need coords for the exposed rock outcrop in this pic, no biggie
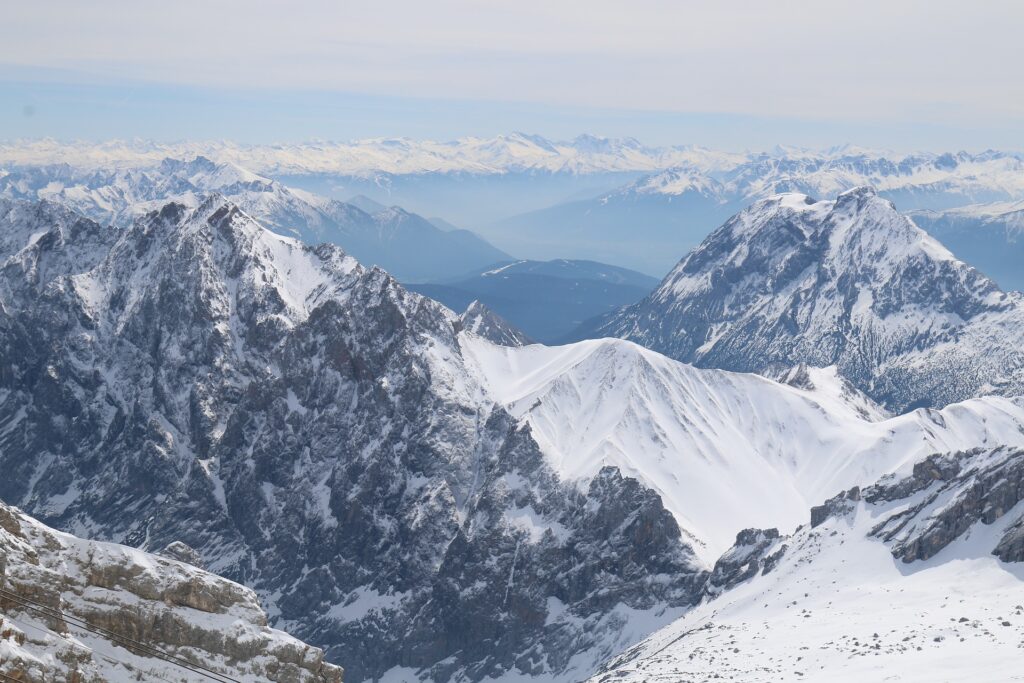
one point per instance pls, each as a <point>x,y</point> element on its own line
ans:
<point>80,611</point>
<point>956,492</point>
<point>756,551</point>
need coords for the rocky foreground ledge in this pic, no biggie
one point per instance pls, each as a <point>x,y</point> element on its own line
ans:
<point>78,611</point>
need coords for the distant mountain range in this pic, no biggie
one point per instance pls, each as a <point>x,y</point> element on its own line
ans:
<point>989,236</point>
<point>407,245</point>
<point>501,154</point>
<point>610,200</point>
<point>643,223</point>
<point>547,300</point>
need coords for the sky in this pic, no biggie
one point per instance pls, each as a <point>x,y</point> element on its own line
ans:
<point>901,74</point>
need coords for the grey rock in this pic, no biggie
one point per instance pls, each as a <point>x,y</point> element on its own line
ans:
<point>836,506</point>
<point>957,491</point>
<point>484,322</point>
<point>141,603</point>
<point>755,551</point>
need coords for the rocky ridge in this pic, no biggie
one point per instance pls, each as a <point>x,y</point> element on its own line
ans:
<point>935,551</point>
<point>81,611</point>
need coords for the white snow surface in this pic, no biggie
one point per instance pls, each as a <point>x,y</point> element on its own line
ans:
<point>495,155</point>
<point>726,451</point>
<point>839,608</point>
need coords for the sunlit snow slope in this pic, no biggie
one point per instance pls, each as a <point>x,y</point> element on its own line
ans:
<point>725,450</point>
<point>838,607</point>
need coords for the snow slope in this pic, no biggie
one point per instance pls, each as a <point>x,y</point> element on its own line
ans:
<point>724,450</point>
<point>832,603</point>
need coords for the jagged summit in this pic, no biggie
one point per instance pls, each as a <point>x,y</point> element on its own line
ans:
<point>483,322</point>
<point>848,282</point>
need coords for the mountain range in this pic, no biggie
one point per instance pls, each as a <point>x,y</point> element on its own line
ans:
<point>407,245</point>
<point>616,201</point>
<point>427,496</point>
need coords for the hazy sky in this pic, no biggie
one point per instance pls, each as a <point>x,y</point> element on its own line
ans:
<point>731,73</point>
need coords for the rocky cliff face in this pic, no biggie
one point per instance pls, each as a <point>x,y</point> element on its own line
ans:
<point>948,495</point>
<point>81,611</point>
<point>849,283</point>
<point>199,386</point>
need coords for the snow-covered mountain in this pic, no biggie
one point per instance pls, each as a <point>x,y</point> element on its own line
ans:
<point>77,610</point>
<point>311,429</point>
<point>848,282</point>
<point>426,504</point>
<point>725,451</point>
<point>912,579</point>
<point>407,245</point>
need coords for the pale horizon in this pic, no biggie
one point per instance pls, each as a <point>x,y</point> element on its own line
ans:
<point>737,75</point>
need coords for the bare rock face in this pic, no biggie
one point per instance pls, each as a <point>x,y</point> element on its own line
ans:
<point>835,506</point>
<point>1011,546</point>
<point>957,491</point>
<point>755,551</point>
<point>74,610</point>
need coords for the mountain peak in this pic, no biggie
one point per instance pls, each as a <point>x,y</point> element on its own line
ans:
<point>198,163</point>
<point>848,282</point>
<point>483,322</point>
<point>859,192</point>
